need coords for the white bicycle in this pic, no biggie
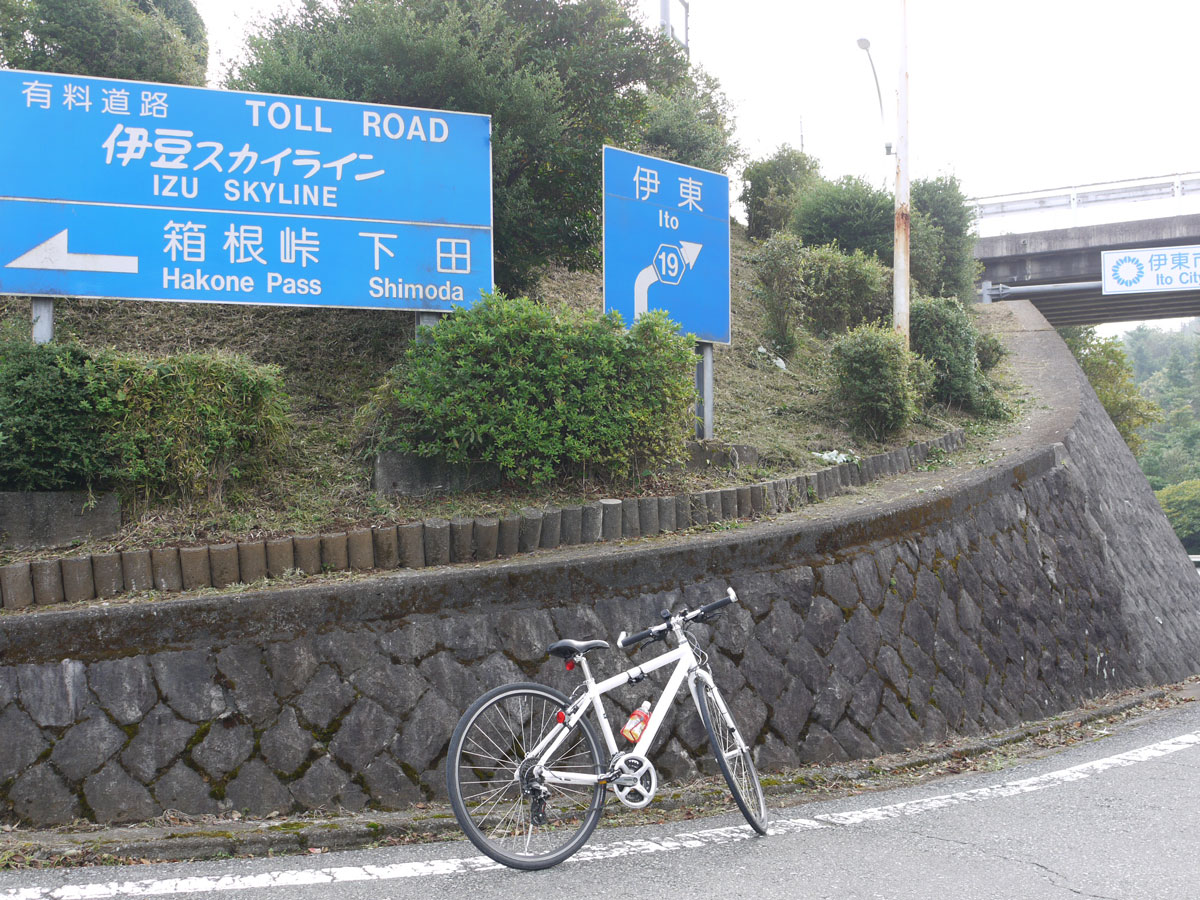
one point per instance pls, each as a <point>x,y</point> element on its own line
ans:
<point>528,777</point>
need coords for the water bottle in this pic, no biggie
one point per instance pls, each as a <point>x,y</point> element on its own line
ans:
<point>637,723</point>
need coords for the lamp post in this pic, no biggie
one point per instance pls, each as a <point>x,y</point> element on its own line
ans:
<point>903,217</point>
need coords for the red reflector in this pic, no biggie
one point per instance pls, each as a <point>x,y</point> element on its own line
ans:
<point>570,665</point>
<point>561,717</point>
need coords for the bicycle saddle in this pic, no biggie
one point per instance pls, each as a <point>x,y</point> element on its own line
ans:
<point>567,649</point>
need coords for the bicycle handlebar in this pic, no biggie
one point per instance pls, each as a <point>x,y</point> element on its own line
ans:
<point>658,632</point>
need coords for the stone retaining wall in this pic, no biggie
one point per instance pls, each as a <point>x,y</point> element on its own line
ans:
<point>436,542</point>
<point>1011,592</point>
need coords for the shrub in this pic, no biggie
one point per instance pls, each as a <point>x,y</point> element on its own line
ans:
<point>942,332</point>
<point>848,212</point>
<point>989,350</point>
<point>871,368</point>
<point>539,394</point>
<point>51,429</point>
<point>779,287</point>
<point>843,289</point>
<point>183,425</point>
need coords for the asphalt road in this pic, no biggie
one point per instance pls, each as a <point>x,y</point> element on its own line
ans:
<point>1112,818</point>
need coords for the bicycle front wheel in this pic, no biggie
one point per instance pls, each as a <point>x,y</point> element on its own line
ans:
<point>508,812</point>
<point>733,755</point>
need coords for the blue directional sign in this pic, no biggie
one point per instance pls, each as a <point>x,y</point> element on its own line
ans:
<point>160,192</point>
<point>666,242</point>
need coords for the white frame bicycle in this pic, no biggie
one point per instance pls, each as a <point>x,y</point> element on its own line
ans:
<point>527,777</point>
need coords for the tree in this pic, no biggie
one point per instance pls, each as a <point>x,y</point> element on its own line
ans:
<point>943,203</point>
<point>559,79</point>
<point>858,216</point>
<point>770,189</point>
<point>693,124</point>
<point>1181,503</point>
<point>146,40</point>
<point>1109,372</point>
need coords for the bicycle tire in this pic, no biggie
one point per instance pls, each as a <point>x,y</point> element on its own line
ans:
<point>736,764</point>
<point>483,778</point>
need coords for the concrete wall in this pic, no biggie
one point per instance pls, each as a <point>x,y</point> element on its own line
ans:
<point>991,596</point>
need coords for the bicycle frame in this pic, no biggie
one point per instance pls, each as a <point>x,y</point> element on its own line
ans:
<point>686,666</point>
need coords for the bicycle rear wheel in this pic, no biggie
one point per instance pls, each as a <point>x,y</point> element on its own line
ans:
<point>505,809</point>
<point>733,755</point>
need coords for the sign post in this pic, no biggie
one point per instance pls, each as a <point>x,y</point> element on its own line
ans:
<point>161,192</point>
<point>666,246</point>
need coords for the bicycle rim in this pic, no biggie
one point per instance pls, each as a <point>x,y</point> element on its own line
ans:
<point>736,764</point>
<point>494,804</point>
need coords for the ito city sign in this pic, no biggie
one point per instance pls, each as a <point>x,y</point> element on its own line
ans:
<point>1151,270</point>
<point>160,192</point>
<point>666,242</point>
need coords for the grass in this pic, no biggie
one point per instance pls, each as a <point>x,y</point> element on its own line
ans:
<point>333,358</point>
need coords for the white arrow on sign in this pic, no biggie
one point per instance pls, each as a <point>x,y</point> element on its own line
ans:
<point>53,254</point>
<point>690,252</point>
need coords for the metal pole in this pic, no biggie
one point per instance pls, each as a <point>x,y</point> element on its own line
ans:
<point>427,317</point>
<point>704,387</point>
<point>900,281</point>
<point>43,319</point>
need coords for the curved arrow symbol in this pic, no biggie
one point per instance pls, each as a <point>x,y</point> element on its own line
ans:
<point>53,254</point>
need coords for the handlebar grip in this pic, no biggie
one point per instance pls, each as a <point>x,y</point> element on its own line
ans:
<point>711,608</point>
<point>628,640</point>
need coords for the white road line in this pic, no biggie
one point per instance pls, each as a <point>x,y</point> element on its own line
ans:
<point>682,841</point>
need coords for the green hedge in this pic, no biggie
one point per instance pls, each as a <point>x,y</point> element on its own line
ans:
<point>539,394</point>
<point>175,426</point>
<point>185,425</point>
<point>52,430</point>
<point>874,382</point>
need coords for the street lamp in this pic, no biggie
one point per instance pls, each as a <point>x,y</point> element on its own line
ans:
<point>866,45</point>
<point>903,223</point>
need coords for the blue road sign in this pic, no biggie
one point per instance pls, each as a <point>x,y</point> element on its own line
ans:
<point>666,242</point>
<point>160,192</point>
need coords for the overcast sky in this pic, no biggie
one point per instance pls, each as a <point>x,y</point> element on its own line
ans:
<point>1009,96</point>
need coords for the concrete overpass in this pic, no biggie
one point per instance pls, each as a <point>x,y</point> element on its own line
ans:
<point>1059,270</point>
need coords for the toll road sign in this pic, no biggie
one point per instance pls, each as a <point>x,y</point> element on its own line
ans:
<point>666,242</point>
<point>147,191</point>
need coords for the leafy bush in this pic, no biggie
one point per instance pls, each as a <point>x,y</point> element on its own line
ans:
<point>871,368</point>
<point>989,350</point>
<point>1181,503</point>
<point>779,287</point>
<point>843,289</point>
<point>539,394</point>
<point>847,212</point>
<point>770,189</point>
<point>942,332</point>
<point>183,425</point>
<point>51,429</point>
